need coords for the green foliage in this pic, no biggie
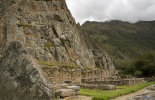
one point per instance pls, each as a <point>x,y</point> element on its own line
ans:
<point>110,94</point>
<point>138,73</point>
<point>142,66</point>
<point>58,64</point>
<point>49,44</point>
<point>123,41</point>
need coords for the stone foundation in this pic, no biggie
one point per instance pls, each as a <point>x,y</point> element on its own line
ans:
<point>91,79</point>
<point>78,76</point>
<point>98,86</point>
<point>60,75</point>
<point>118,82</point>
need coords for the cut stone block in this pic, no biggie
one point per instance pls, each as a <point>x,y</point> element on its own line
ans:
<point>64,92</point>
<point>75,88</point>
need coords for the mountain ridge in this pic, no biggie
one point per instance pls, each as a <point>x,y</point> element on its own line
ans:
<point>122,40</point>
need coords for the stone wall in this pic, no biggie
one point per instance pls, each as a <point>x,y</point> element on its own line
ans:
<point>110,84</point>
<point>117,82</point>
<point>96,75</point>
<point>59,75</point>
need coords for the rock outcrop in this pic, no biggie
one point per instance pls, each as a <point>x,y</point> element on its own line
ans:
<point>21,77</point>
<point>33,30</point>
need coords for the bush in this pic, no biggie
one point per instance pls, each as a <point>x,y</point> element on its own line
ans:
<point>144,65</point>
<point>138,73</point>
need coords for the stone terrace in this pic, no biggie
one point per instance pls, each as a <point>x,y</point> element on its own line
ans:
<point>78,76</point>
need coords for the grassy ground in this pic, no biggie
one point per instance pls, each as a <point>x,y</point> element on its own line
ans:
<point>109,94</point>
<point>58,64</point>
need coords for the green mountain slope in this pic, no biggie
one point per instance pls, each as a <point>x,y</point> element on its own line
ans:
<point>123,41</point>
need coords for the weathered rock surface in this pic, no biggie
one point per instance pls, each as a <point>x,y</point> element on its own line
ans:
<point>21,77</point>
<point>49,32</point>
<point>75,88</point>
<point>40,30</point>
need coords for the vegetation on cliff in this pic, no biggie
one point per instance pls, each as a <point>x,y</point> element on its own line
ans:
<point>123,41</point>
<point>53,64</point>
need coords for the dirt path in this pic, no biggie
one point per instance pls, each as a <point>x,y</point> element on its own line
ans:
<point>80,97</point>
<point>124,97</point>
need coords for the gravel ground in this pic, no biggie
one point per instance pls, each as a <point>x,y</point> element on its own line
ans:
<point>141,93</point>
<point>124,97</point>
<point>79,98</point>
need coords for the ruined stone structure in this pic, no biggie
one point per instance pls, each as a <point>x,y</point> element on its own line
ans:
<point>59,75</point>
<point>88,78</point>
<point>32,30</point>
<point>117,82</point>
<point>78,76</point>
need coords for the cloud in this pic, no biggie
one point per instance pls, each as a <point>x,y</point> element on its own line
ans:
<point>105,10</point>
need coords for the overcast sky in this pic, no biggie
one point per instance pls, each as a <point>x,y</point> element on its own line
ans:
<point>105,10</point>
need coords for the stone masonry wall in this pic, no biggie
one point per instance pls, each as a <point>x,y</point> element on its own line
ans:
<point>59,75</point>
<point>117,82</point>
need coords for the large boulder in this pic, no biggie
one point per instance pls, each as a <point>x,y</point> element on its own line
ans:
<point>21,77</point>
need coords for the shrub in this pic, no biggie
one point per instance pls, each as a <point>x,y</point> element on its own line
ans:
<point>138,73</point>
<point>144,65</point>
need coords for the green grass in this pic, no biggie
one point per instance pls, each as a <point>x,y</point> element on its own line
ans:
<point>53,64</point>
<point>49,44</point>
<point>109,94</point>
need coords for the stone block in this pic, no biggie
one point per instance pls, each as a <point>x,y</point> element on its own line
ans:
<point>111,87</point>
<point>64,93</point>
<point>75,88</point>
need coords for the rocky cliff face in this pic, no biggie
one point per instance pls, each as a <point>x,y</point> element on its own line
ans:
<point>33,30</point>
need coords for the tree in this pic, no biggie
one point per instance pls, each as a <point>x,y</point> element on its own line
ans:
<point>144,65</point>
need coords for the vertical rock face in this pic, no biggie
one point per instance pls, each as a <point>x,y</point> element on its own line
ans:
<point>40,30</point>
